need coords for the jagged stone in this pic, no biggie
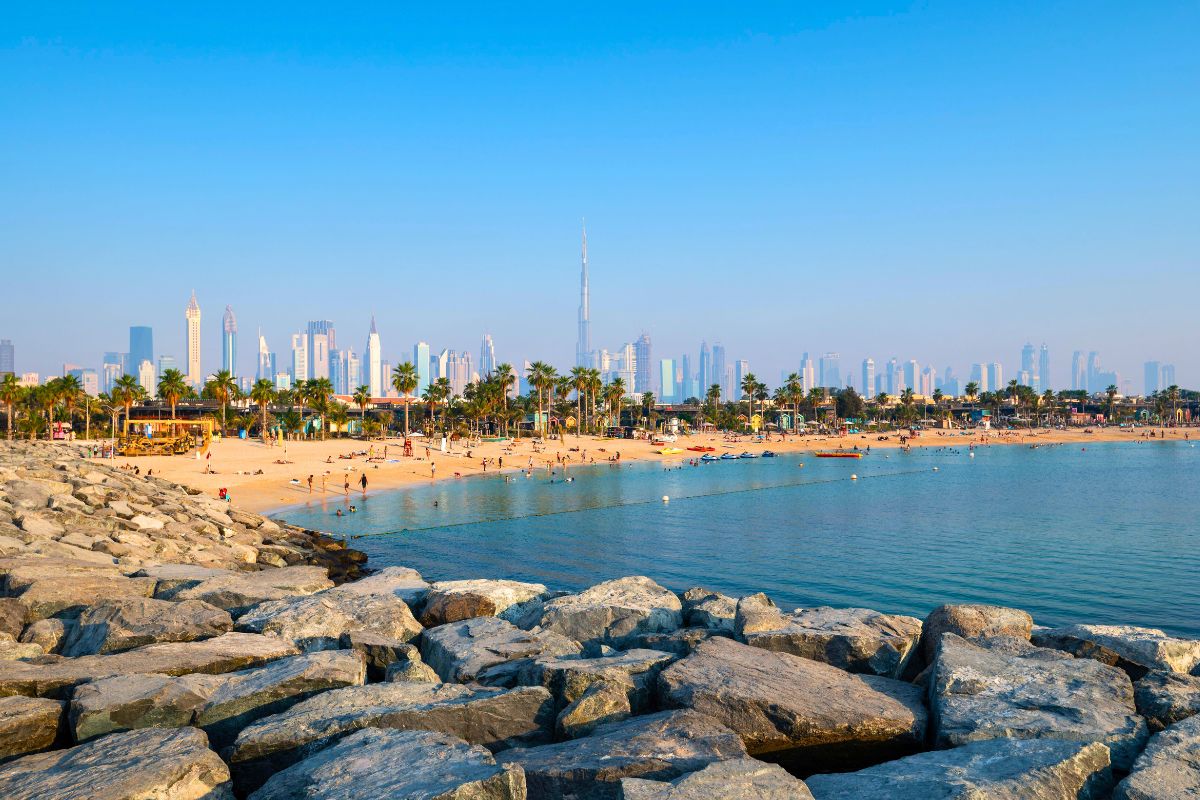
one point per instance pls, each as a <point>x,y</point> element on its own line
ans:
<point>411,671</point>
<point>735,779</point>
<point>1165,698</point>
<point>237,593</point>
<point>69,596</point>
<point>173,578</point>
<point>453,601</point>
<point>403,582</point>
<point>979,694</point>
<point>802,712</point>
<point>131,702</point>
<point>601,702</point>
<point>1169,767</point>
<point>972,621</point>
<point>679,643</point>
<point>153,764</point>
<point>12,616</point>
<point>1004,769</point>
<point>49,634</point>
<point>707,609</point>
<point>568,678</point>
<point>119,625</point>
<point>28,725</point>
<point>754,613</point>
<point>488,650</point>
<point>659,746</point>
<point>420,765</point>
<point>318,621</point>
<point>17,651</point>
<point>378,651</point>
<point>611,611</point>
<point>225,653</point>
<point>1135,650</point>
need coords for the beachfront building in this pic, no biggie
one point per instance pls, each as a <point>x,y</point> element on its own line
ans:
<point>192,342</point>
<point>229,342</point>
<point>147,376</point>
<point>8,357</point>
<point>375,377</point>
<point>141,346</point>
<point>424,365</point>
<point>299,357</point>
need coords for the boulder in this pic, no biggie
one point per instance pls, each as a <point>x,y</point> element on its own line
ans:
<point>735,779</point>
<point>131,702</point>
<point>416,671</point>
<point>706,609</point>
<point>679,643</point>
<point>15,651</point>
<point>239,591</point>
<point>49,634</point>
<point>601,702</point>
<point>611,611</point>
<point>488,650</point>
<point>379,652</point>
<point>659,746</point>
<point>754,613</point>
<point>28,725</point>
<point>173,578</point>
<point>420,764</point>
<point>972,621</point>
<point>403,582</point>
<point>853,639</point>
<point>12,617</point>
<point>1165,698</point>
<point>225,653</point>
<point>801,712</point>
<point>152,764</point>
<point>1135,650</point>
<point>1000,768</point>
<point>1169,768</point>
<point>493,718</point>
<point>452,601</point>
<point>119,625</point>
<point>979,694</point>
<point>51,597</point>
<point>568,678</point>
<point>318,621</point>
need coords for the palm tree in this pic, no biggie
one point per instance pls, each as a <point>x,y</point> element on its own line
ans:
<point>404,381</point>
<point>11,392</point>
<point>1048,404</point>
<point>541,376</point>
<point>263,393</point>
<point>1173,395</point>
<point>908,399</point>
<point>614,394</point>
<point>580,378</point>
<point>319,391</point>
<point>748,387</point>
<point>793,390</point>
<point>300,395</point>
<point>172,386</point>
<point>222,388</point>
<point>506,376</point>
<point>362,399</point>
<point>972,391</point>
<point>68,390</point>
<point>647,407</point>
<point>1111,393</point>
<point>127,389</point>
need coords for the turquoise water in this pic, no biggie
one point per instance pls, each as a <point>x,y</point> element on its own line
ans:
<point>1109,534</point>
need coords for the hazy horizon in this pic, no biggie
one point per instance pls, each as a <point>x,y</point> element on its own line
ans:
<point>917,180</point>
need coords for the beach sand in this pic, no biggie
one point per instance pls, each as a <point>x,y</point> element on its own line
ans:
<point>247,469</point>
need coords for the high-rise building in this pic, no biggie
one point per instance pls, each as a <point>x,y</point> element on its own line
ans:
<point>808,374</point>
<point>830,368</point>
<point>375,379</point>
<point>165,363</point>
<point>1168,376</point>
<point>299,358</point>
<point>147,376</point>
<point>995,376</point>
<point>1152,371</point>
<point>720,372</point>
<point>705,378</point>
<point>583,346</point>
<point>1078,371</point>
<point>8,357</point>
<point>1028,369</point>
<point>644,375</point>
<point>928,381</point>
<point>441,364</point>
<point>741,368</point>
<point>687,388</point>
<point>421,361</point>
<point>1093,373</point>
<point>1043,373</point>
<point>979,377</point>
<point>666,370</point>
<point>283,381</point>
<point>868,377</point>
<point>195,376</point>
<point>354,371</point>
<point>337,371</point>
<point>88,379</point>
<point>266,361</point>
<point>487,356</point>
<point>386,369</point>
<point>912,376</point>
<point>950,384</point>
<point>318,353</point>
<point>141,347</point>
<point>229,342</point>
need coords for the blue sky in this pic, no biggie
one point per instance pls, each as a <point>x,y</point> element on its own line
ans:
<point>940,181</point>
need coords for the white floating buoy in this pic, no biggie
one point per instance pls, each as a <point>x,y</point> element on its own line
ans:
<point>971,454</point>
<point>935,469</point>
<point>853,477</point>
<point>666,499</point>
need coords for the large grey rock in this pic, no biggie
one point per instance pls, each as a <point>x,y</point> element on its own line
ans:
<point>173,578</point>
<point>152,764</point>
<point>853,639</point>
<point>659,746</point>
<point>379,652</point>
<point>1165,698</point>
<point>680,643</point>
<point>488,650</point>
<point>318,621</point>
<point>492,718</point>
<point>51,597</point>
<point>611,611</point>
<point>225,653</point>
<point>601,702</point>
<point>118,625</point>
<point>238,592</point>
<point>800,711</point>
<point>132,702</point>
<point>1000,769</point>
<point>707,609</point>
<point>49,634</point>
<point>13,651</point>
<point>12,617</point>
<point>979,694</point>
<point>735,779</point>
<point>753,613</point>
<point>414,671</point>
<point>21,572</point>
<point>452,601</point>
<point>1135,650</point>
<point>28,725</point>
<point>972,621</point>
<point>568,678</point>
<point>403,582</point>
<point>1169,768</point>
<point>421,765</point>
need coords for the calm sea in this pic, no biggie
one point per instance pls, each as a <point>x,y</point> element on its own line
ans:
<point>1107,534</point>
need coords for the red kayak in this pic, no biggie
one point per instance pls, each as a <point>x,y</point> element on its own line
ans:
<point>699,449</point>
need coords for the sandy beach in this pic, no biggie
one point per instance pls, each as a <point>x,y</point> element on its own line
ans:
<point>265,478</point>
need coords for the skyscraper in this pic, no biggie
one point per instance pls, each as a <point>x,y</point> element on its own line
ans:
<point>808,374</point>
<point>141,348</point>
<point>830,368</point>
<point>266,361</point>
<point>705,375</point>
<point>1167,379</point>
<point>667,380</point>
<point>375,379</point>
<point>995,376</point>
<point>192,342</point>
<point>1044,369</point>
<point>422,363</point>
<point>1028,369</point>
<point>1078,371</point>
<point>8,357</point>
<point>1153,377</point>
<point>644,375</point>
<point>741,368</point>
<point>687,390</point>
<point>148,377</point>
<point>229,342</point>
<point>719,372</point>
<point>894,378</point>
<point>912,376</point>
<point>583,347</point>
<point>487,356</point>
<point>1093,373</point>
<point>979,377</point>
<point>318,353</point>
<point>868,377</point>
<point>299,358</point>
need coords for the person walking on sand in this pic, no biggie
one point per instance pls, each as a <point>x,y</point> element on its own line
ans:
<point>432,470</point>
<point>310,477</point>
<point>347,486</point>
<point>363,482</point>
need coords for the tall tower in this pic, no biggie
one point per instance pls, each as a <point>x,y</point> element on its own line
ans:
<point>583,348</point>
<point>229,342</point>
<point>374,362</point>
<point>487,355</point>
<point>194,376</point>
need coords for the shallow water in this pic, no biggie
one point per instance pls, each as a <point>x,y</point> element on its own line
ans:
<point>1106,535</point>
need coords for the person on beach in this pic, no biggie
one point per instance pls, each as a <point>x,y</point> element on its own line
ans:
<point>310,477</point>
<point>363,482</point>
<point>432,470</point>
<point>346,486</point>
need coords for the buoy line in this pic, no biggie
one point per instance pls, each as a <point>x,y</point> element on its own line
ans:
<point>630,503</point>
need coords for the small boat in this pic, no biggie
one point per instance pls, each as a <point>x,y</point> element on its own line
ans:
<point>768,454</point>
<point>728,457</point>
<point>709,457</point>
<point>748,455</point>
<point>670,451</point>
<point>702,449</point>
<point>838,454</point>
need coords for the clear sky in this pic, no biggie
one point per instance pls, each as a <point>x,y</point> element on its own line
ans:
<point>940,181</point>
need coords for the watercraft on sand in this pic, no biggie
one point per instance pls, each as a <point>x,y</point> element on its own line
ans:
<point>702,449</point>
<point>837,454</point>
<point>728,457</point>
<point>748,455</point>
<point>670,451</point>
